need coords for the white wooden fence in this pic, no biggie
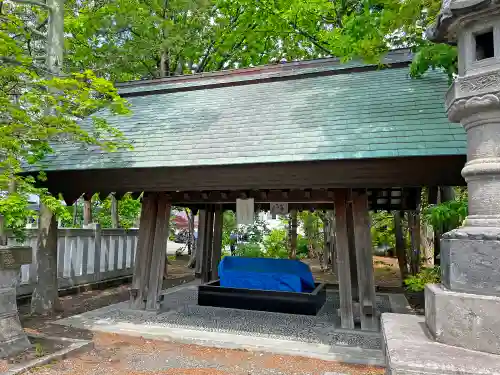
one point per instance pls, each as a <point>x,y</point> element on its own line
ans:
<point>84,256</point>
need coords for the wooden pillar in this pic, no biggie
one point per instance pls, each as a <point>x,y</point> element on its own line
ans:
<point>114,211</point>
<point>87,209</point>
<point>352,248</point>
<point>142,265</point>
<point>200,242</point>
<point>217,247</point>
<point>207,245</point>
<point>159,254</point>
<point>364,257</point>
<point>344,274</point>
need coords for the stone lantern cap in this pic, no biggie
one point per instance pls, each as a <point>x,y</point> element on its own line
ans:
<point>451,14</point>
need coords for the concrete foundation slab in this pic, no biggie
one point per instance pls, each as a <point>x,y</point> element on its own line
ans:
<point>470,321</point>
<point>182,320</point>
<point>410,350</point>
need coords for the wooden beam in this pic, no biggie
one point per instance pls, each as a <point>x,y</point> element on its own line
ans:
<point>159,254</point>
<point>144,251</point>
<point>300,199</point>
<point>343,264</point>
<point>364,257</point>
<point>217,247</point>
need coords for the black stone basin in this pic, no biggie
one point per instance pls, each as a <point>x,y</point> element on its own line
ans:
<point>212,294</point>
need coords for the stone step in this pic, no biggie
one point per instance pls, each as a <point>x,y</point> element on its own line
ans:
<point>410,350</point>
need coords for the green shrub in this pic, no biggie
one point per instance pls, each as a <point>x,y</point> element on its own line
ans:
<point>448,215</point>
<point>249,250</point>
<point>429,275</point>
<point>302,249</point>
<point>276,244</point>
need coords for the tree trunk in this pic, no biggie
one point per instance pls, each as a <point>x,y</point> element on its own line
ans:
<point>75,213</point>
<point>190,239</point>
<point>87,211</point>
<point>44,299</point>
<point>400,245</point>
<point>426,235</point>
<point>192,259</point>
<point>45,294</point>
<point>414,228</point>
<point>164,66</point>
<point>114,212</point>
<point>194,244</point>
<point>326,243</point>
<point>333,242</point>
<point>293,235</point>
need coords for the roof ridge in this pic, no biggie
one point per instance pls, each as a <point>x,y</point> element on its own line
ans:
<point>291,70</point>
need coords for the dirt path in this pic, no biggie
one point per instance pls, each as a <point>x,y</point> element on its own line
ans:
<point>386,272</point>
<point>123,355</point>
<point>74,304</point>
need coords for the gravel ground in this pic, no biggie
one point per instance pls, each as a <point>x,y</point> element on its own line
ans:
<point>180,310</point>
<point>123,355</point>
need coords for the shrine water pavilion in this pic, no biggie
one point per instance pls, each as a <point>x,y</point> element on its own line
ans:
<point>318,134</point>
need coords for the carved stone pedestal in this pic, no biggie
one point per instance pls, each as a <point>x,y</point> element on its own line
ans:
<point>13,339</point>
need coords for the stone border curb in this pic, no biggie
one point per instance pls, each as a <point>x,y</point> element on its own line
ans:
<point>346,354</point>
<point>75,347</point>
<point>399,304</point>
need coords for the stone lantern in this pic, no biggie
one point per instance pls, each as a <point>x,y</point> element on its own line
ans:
<point>13,339</point>
<point>461,330</point>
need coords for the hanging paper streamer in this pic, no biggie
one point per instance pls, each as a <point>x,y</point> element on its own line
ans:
<point>245,211</point>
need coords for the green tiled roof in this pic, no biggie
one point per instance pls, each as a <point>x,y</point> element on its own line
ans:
<point>367,114</point>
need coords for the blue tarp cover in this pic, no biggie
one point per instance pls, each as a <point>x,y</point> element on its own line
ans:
<point>265,274</point>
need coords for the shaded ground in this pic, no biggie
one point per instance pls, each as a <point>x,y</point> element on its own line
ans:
<point>89,300</point>
<point>123,355</point>
<point>386,272</point>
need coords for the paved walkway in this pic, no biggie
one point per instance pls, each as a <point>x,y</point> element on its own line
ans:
<point>124,355</point>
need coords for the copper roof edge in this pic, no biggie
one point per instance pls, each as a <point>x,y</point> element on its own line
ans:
<point>259,74</point>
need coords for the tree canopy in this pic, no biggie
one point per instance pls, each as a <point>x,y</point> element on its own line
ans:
<point>119,40</point>
<point>39,110</point>
<point>126,40</point>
